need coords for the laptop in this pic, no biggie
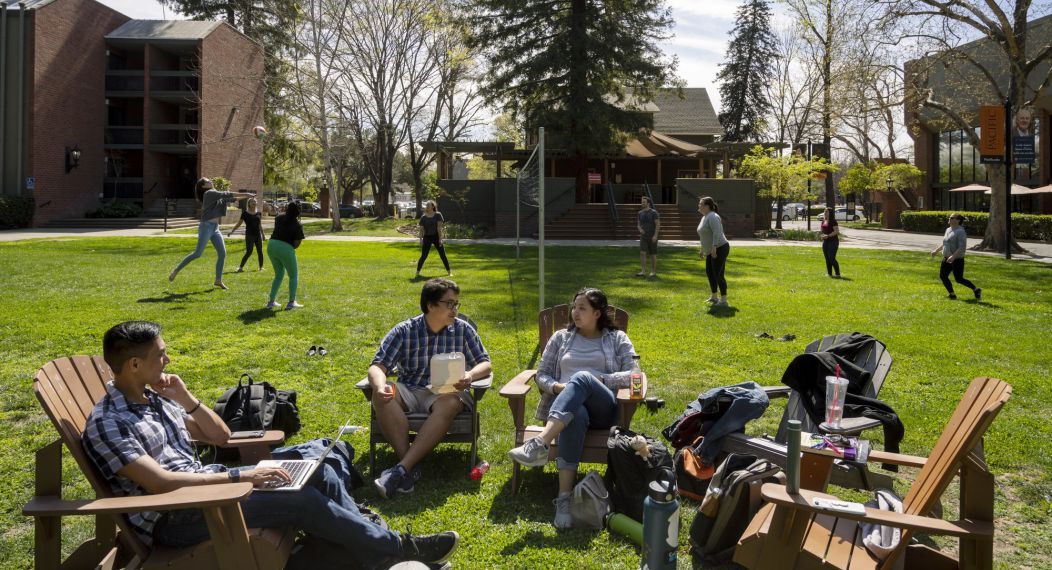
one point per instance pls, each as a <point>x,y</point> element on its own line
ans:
<point>300,470</point>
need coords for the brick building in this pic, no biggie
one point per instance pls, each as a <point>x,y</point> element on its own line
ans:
<point>97,107</point>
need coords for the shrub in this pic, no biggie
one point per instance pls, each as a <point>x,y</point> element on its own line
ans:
<point>1024,226</point>
<point>450,231</point>
<point>117,210</point>
<point>15,212</point>
<point>792,235</point>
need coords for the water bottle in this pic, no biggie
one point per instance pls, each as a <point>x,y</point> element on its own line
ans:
<point>792,458</point>
<point>625,526</point>
<point>660,526</point>
<point>479,470</point>
<point>637,379</point>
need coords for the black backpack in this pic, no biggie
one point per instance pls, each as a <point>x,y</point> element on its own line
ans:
<point>731,500</point>
<point>628,475</point>
<point>258,405</point>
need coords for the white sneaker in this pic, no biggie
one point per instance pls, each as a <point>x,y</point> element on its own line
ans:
<point>562,511</point>
<point>722,302</point>
<point>272,305</point>
<point>712,299</point>
<point>293,305</point>
<point>533,453</point>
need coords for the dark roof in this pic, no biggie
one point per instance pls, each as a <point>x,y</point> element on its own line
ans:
<point>692,115</point>
<point>177,30</point>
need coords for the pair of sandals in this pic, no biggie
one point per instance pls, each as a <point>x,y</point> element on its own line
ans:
<point>319,350</point>
<point>784,338</point>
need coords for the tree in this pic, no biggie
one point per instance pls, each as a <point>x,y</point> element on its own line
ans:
<point>864,178</point>
<point>1006,66</point>
<point>792,92</point>
<point>581,68</point>
<point>748,70</point>
<point>782,177</point>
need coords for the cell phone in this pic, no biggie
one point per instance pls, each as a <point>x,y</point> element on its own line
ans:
<point>840,506</point>
<point>248,434</point>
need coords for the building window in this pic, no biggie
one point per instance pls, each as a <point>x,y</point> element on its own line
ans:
<point>958,161</point>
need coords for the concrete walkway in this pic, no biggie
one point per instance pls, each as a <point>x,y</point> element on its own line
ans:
<point>857,239</point>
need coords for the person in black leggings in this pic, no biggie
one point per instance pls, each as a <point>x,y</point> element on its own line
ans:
<point>714,249</point>
<point>432,223</point>
<point>831,242</point>
<point>253,221</point>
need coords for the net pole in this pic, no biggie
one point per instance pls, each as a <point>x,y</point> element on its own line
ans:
<point>518,181</point>
<point>540,216</point>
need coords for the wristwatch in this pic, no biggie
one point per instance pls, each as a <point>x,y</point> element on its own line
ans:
<point>235,475</point>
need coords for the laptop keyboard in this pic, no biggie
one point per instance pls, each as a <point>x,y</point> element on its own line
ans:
<point>296,469</point>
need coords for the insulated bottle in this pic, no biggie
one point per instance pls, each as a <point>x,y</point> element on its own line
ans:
<point>660,526</point>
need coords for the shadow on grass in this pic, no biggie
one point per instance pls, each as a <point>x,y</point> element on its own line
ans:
<point>723,311</point>
<point>982,303</point>
<point>564,540</point>
<point>173,297</point>
<point>842,278</point>
<point>255,315</point>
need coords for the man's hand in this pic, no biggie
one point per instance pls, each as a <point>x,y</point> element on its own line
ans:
<point>386,393</point>
<point>172,387</point>
<point>654,239</point>
<point>558,387</point>
<point>949,259</point>
<point>465,382</point>
<point>266,476</point>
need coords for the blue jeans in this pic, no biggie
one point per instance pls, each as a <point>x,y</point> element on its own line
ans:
<point>584,403</point>
<point>207,231</point>
<point>323,509</point>
<point>748,403</point>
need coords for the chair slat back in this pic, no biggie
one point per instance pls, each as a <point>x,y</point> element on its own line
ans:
<point>876,360</point>
<point>977,409</point>
<point>68,389</point>
<point>558,317</point>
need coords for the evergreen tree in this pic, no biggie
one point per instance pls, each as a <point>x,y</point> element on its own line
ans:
<point>579,68</point>
<point>747,70</point>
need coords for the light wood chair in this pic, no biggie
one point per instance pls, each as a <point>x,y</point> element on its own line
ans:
<point>68,389</point>
<point>877,361</point>
<point>791,533</point>
<point>464,429</point>
<point>548,321</point>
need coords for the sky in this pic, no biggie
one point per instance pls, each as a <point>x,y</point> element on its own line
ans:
<point>699,42</point>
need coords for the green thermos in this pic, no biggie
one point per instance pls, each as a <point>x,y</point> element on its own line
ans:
<point>625,526</point>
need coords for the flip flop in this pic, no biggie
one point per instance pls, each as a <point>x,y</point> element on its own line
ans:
<point>312,350</point>
<point>322,351</point>
<point>763,335</point>
<point>786,337</point>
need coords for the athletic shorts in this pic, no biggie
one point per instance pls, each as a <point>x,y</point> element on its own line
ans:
<point>421,399</point>
<point>647,244</point>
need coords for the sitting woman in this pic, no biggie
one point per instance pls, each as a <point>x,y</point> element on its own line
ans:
<point>579,374</point>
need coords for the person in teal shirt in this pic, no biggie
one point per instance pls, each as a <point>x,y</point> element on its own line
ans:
<point>281,249</point>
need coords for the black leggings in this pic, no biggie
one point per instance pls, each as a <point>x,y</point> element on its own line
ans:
<point>957,267</point>
<point>829,247</point>
<point>425,248</point>
<point>253,241</point>
<point>714,267</point>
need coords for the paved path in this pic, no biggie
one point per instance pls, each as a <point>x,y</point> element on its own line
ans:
<point>859,239</point>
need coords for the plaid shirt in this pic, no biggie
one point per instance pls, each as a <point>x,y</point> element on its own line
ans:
<point>118,432</point>
<point>410,345</point>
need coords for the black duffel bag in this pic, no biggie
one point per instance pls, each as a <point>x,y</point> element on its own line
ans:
<point>258,406</point>
<point>628,475</point>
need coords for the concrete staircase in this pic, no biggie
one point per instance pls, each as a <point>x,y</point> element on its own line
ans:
<point>180,209</point>
<point>592,221</point>
<point>124,223</point>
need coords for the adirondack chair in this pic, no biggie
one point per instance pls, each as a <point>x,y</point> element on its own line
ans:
<point>68,389</point>
<point>790,532</point>
<point>550,320</point>
<point>852,475</point>
<point>464,429</point>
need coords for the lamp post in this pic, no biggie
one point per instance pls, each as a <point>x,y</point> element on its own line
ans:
<point>809,187</point>
<point>889,192</point>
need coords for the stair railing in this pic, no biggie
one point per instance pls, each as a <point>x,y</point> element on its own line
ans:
<point>612,203</point>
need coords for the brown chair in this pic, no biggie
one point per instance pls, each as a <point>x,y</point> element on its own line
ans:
<point>464,429</point>
<point>550,320</point>
<point>791,533</point>
<point>68,389</point>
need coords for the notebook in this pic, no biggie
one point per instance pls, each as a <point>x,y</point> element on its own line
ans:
<point>300,470</point>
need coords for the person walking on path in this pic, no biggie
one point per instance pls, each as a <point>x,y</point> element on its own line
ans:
<point>830,242</point>
<point>954,242</point>
<point>580,372</point>
<point>287,235</point>
<point>649,226</point>
<point>714,249</point>
<point>213,208</point>
<point>433,224</point>
<point>253,221</point>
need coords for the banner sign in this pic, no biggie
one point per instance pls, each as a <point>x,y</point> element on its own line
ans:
<point>991,134</point>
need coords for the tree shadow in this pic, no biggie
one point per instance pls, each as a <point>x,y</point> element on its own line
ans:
<point>173,297</point>
<point>255,315</point>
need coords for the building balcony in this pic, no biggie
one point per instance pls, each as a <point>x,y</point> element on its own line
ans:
<point>174,138</point>
<point>124,137</point>
<point>125,84</point>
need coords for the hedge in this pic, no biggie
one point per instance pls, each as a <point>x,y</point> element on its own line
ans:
<point>15,212</point>
<point>1024,226</point>
<point>117,210</point>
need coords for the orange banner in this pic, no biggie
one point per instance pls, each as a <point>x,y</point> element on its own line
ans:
<point>992,131</point>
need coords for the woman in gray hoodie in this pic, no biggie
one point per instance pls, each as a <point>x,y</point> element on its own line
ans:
<point>213,208</point>
<point>954,243</point>
<point>714,249</point>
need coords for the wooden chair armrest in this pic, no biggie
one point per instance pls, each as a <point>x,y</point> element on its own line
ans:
<point>777,494</point>
<point>184,498</point>
<point>272,437</point>
<point>850,426</point>
<point>624,395</point>
<point>897,459</point>
<point>366,388</point>
<point>777,391</point>
<point>518,386</point>
<point>479,387</point>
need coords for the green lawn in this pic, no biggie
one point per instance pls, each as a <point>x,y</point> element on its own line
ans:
<point>62,295</point>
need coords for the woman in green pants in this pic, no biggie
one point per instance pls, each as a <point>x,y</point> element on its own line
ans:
<point>281,249</point>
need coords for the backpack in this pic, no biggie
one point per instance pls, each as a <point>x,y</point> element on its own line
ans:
<point>590,503</point>
<point>628,475</point>
<point>689,483</point>
<point>255,406</point>
<point>731,500</point>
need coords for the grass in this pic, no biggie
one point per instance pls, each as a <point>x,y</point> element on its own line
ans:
<point>62,295</point>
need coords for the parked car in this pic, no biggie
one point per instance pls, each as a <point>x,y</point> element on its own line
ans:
<point>309,208</point>
<point>789,212</point>
<point>350,211</point>
<point>842,215</point>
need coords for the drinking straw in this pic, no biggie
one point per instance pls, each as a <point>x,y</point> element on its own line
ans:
<point>836,391</point>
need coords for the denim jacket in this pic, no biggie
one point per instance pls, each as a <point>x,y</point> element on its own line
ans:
<point>617,349</point>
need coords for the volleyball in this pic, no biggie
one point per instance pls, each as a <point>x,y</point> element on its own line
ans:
<point>259,131</point>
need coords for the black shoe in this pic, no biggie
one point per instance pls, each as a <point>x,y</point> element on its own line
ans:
<point>763,335</point>
<point>952,297</point>
<point>431,549</point>
<point>312,350</point>
<point>978,294</point>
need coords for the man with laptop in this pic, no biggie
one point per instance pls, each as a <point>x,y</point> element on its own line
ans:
<point>410,347</point>
<point>138,436</point>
